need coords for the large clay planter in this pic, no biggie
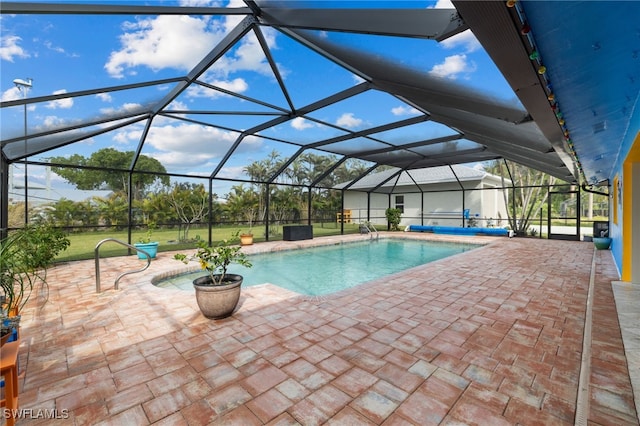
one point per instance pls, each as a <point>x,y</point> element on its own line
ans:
<point>218,301</point>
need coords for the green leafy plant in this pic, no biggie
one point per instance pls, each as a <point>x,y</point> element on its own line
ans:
<point>393,217</point>
<point>216,260</point>
<point>147,238</point>
<point>16,278</point>
<point>25,255</point>
<point>41,244</point>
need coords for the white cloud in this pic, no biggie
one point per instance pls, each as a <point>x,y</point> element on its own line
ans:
<point>128,107</point>
<point>452,67</point>
<point>49,45</point>
<point>236,172</point>
<point>248,56</point>
<point>52,122</point>
<point>127,137</point>
<point>358,79</point>
<point>11,94</point>
<point>182,159</point>
<point>404,110</point>
<point>300,123</point>
<point>161,42</point>
<point>104,97</point>
<point>64,103</point>
<point>9,48</point>
<point>466,39</point>
<point>444,4</point>
<point>199,3</point>
<point>237,85</point>
<point>176,105</point>
<point>188,144</point>
<point>180,42</point>
<point>349,121</point>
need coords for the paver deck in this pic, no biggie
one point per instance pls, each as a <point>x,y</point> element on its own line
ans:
<point>491,336</point>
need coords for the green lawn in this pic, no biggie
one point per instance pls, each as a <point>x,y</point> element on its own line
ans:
<point>83,244</point>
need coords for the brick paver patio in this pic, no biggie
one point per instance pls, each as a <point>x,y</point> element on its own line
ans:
<point>489,337</point>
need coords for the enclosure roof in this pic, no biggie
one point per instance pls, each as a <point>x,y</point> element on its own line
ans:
<point>205,90</point>
<point>426,176</point>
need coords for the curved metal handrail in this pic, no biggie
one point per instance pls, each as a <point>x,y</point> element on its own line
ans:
<point>370,229</point>
<point>97,256</point>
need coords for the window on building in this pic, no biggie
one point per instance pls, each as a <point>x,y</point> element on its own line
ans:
<point>400,202</point>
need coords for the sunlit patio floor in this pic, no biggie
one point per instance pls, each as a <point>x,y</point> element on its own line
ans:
<point>491,336</point>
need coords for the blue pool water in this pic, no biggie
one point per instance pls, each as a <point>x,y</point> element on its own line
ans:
<point>327,269</point>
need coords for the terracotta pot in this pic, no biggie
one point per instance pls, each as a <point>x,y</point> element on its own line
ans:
<point>246,239</point>
<point>218,301</point>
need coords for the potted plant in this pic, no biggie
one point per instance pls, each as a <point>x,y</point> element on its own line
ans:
<point>25,255</point>
<point>246,238</point>
<point>5,332</point>
<point>218,292</point>
<point>145,243</point>
<point>8,328</point>
<point>603,242</point>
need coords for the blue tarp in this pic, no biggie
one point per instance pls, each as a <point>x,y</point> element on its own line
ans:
<point>457,230</point>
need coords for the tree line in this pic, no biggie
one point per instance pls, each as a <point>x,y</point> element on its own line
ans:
<point>156,200</point>
<point>291,190</point>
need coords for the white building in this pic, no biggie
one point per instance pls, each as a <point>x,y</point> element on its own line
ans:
<point>447,196</point>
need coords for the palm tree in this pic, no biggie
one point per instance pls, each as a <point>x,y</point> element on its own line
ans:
<point>529,195</point>
<point>243,203</point>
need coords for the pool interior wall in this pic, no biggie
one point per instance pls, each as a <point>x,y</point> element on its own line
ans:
<point>326,269</point>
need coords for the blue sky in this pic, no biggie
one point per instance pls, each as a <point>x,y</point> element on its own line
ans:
<point>64,54</point>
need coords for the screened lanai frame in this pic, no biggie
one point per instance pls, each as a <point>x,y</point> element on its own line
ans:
<point>487,128</point>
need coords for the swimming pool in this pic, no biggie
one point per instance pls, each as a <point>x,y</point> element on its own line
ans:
<point>327,269</point>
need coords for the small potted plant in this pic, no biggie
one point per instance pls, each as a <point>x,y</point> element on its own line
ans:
<point>5,331</point>
<point>603,242</point>
<point>25,256</point>
<point>8,328</point>
<point>145,243</point>
<point>218,292</point>
<point>246,238</point>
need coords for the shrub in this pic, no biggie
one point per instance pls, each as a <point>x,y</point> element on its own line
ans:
<point>393,217</point>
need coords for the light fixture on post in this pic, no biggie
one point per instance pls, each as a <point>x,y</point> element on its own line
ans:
<point>24,86</point>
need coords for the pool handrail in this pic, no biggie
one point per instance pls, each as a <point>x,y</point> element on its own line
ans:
<point>97,260</point>
<point>370,226</point>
